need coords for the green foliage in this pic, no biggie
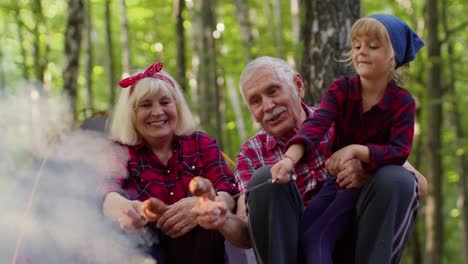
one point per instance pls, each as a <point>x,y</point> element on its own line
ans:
<point>152,37</point>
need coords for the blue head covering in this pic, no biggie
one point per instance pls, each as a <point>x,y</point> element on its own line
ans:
<point>406,43</point>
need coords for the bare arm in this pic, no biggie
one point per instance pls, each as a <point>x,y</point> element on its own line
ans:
<point>129,214</point>
<point>281,170</point>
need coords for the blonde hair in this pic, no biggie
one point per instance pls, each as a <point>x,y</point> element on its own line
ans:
<point>368,26</point>
<point>123,117</point>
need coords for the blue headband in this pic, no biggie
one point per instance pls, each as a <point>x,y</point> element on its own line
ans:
<point>406,43</point>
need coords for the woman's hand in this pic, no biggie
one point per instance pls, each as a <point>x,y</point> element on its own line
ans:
<point>128,214</point>
<point>133,217</point>
<point>210,214</point>
<point>179,219</point>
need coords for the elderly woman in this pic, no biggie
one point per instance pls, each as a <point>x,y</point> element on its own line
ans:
<point>152,122</point>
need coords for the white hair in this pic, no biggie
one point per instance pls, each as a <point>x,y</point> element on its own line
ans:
<point>123,117</point>
<point>284,70</point>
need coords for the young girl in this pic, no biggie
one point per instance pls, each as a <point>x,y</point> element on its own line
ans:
<point>374,122</point>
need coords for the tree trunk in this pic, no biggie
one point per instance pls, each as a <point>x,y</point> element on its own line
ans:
<point>2,73</point>
<point>295,21</point>
<point>326,35</point>
<point>88,57</point>
<point>209,72</point>
<point>19,29</point>
<point>415,241</point>
<point>110,52</point>
<point>40,61</point>
<point>72,50</point>
<point>296,27</point>
<point>434,216</point>
<point>461,159</point>
<point>124,38</point>
<point>179,6</point>
<point>242,15</point>
<point>234,98</point>
<point>267,9</point>
<point>279,29</point>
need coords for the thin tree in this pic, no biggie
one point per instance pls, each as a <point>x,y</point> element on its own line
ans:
<point>88,47</point>
<point>326,35</point>
<point>124,38</point>
<point>435,205</point>
<point>461,159</point>
<point>179,6</point>
<point>75,17</point>
<point>2,73</point>
<point>20,31</point>
<point>242,15</point>
<point>209,87</point>
<point>40,54</point>
<point>278,28</point>
<point>295,26</point>
<point>110,52</point>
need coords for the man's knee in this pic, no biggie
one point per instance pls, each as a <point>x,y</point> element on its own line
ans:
<point>392,180</point>
<point>260,176</point>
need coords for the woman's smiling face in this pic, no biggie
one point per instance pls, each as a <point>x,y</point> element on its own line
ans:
<point>156,117</point>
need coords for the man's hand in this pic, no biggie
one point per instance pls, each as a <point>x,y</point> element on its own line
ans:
<point>210,214</point>
<point>179,219</point>
<point>352,175</point>
<point>281,171</point>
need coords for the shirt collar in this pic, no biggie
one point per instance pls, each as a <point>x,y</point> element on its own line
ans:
<point>175,142</point>
<point>354,86</point>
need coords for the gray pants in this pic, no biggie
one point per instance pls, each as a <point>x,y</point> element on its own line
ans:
<point>385,214</point>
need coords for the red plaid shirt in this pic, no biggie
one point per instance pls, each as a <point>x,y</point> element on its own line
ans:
<point>386,129</point>
<point>264,149</point>
<point>144,176</point>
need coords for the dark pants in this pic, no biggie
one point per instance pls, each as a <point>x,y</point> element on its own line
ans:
<point>275,211</point>
<point>385,213</point>
<point>326,220</point>
<point>197,246</point>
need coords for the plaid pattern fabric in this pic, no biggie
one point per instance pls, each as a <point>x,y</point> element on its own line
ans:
<point>387,128</point>
<point>264,149</point>
<point>142,175</point>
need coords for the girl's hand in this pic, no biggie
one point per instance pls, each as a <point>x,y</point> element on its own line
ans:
<point>336,163</point>
<point>352,176</point>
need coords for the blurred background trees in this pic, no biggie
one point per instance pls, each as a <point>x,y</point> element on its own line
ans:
<point>81,48</point>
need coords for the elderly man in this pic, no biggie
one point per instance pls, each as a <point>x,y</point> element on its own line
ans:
<point>269,215</point>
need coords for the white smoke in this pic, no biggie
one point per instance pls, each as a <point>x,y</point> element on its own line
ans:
<point>49,176</point>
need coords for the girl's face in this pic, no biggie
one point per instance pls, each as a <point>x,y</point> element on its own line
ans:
<point>371,58</point>
<point>156,117</point>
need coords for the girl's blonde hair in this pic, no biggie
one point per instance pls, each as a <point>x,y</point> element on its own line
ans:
<point>368,26</point>
<point>123,117</point>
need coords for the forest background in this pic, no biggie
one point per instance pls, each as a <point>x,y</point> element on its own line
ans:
<point>82,48</point>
